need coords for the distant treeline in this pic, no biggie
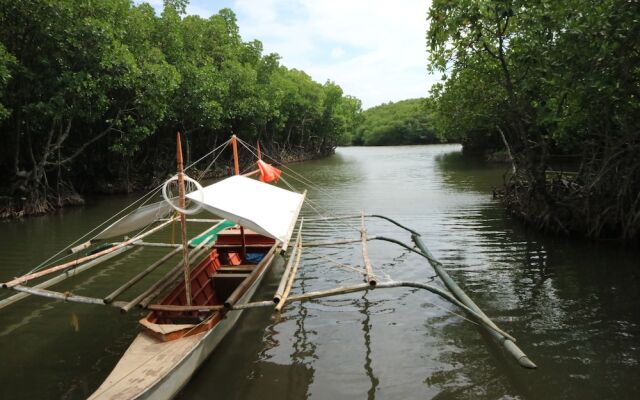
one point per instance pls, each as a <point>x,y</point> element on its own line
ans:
<point>541,79</point>
<point>92,94</point>
<point>403,122</point>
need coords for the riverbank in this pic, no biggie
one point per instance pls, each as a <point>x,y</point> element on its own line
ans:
<point>21,207</point>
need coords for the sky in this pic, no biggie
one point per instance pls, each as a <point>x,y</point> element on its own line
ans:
<point>374,49</point>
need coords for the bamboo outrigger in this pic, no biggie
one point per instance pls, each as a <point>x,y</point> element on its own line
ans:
<point>197,302</point>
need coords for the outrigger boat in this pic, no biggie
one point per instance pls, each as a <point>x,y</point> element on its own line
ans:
<point>195,304</point>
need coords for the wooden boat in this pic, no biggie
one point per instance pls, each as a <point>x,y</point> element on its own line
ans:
<point>192,319</point>
<point>173,344</point>
<point>191,309</point>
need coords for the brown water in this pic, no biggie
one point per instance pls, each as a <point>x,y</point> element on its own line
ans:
<point>573,306</point>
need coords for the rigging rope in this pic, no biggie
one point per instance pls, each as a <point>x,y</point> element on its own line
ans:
<point>146,197</point>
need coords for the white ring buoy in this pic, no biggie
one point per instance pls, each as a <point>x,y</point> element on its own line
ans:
<point>187,211</point>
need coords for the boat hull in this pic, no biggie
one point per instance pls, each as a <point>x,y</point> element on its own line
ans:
<point>153,369</point>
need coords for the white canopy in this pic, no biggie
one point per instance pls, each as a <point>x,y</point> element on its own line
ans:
<point>259,206</point>
<point>137,219</point>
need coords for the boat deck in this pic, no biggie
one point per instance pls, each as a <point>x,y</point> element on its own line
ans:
<point>147,360</point>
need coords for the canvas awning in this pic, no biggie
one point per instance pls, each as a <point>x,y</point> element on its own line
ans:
<point>261,207</point>
<point>137,219</point>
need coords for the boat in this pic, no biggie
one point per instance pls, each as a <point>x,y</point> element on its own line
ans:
<point>195,304</point>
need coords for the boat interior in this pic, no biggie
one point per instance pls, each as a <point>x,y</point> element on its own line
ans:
<point>225,273</point>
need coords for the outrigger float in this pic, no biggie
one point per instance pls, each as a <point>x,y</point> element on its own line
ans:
<point>197,302</point>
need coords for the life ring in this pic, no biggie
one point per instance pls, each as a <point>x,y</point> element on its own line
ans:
<point>186,211</point>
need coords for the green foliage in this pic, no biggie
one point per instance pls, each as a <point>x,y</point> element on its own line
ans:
<point>7,61</point>
<point>123,80</point>
<point>556,77</point>
<point>404,122</point>
<point>555,73</point>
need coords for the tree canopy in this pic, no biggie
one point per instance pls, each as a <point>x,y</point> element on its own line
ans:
<point>403,122</point>
<point>554,78</point>
<point>93,92</point>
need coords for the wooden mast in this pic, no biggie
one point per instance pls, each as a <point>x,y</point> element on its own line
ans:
<point>236,168</point>
<point>183,221</point>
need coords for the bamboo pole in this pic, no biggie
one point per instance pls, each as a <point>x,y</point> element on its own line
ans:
<point>398,224</point>
<point>183,221</point>
<point>65,275</point>
<point>285,244</point>
<point>28,277</point>
<point>67,296</point>
<point>200,220</point>
<point>370,278</point>
<point>236,162</point>
<point>335,243</point>
<point>236,170</point>
<point>160,283</point>
<point>341,291</point>
<point>172,280</point>
<point>154,244</point>
<point>292,276</point>
<point>285,275</point>
<point>108,299</point>
<point>507,342</point>
<point>175,308</point>
<point>338,217</point>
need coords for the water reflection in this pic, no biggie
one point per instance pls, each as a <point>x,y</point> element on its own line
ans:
<point>366,330</point>
<point>573,306</point>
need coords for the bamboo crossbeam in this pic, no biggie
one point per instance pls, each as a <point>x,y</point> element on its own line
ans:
<point>393,221</point>
<point>248,281</point>
<point>80,247</point>
<point>200,220</point>
<point>59,296</point>
<point>335,242</point>
<point>341,291</point>
<point>169,276</point>
<point>341,217</point>
<point>28,277</point>
<point>108,299</point>
<point>154,244</point>
<point>285,275</point>
<point>303,297</point>
<point>292,277</point>
<point>175,308</point>
<point>507,341</point>
<point>173,281</point>
<point>66,274</point>
<point>370,278</point>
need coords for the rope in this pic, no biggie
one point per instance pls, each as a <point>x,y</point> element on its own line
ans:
<point>146,197</point>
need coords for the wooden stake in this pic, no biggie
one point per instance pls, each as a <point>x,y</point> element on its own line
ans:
<point>370,278</point>
<point>183,221</point>
<point>236,168</point>
<point>236,162</point>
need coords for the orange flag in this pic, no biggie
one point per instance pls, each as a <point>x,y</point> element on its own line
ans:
<point>268,173</point>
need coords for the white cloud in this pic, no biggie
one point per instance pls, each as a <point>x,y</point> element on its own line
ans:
<point>337,52</point>
<point>374,49</point>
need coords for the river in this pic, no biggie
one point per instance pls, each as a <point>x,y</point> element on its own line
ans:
<point>574,306</point>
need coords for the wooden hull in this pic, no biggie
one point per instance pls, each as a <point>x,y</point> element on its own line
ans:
<point>156,369</point>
